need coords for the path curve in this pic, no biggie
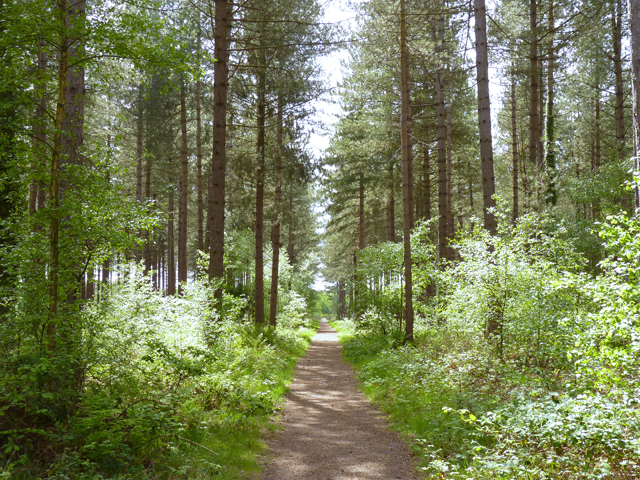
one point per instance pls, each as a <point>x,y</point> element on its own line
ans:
<point>331,431</point>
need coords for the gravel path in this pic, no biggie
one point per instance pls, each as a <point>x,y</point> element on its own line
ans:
<point>331,431</point>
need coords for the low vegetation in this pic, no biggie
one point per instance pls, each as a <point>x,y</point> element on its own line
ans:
<point>167,389</point>
<point>551,393</point>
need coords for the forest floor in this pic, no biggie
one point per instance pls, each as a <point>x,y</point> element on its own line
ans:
<point>331,431</point>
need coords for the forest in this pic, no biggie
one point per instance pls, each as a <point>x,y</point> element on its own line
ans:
<point>165,218</point>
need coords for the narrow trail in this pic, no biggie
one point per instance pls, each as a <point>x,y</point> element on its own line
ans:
<point>331,431</point>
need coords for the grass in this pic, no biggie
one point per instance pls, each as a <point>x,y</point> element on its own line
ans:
<point>235,432</point>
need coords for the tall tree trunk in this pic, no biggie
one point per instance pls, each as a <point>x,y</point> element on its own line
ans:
<point>184,191</point>
<point>171,261</point>
<point>290,251</point>
<point>533,88</point>
<point>541,103</point>
<point>444,207</point>
<point>450,225</point>
<point>407,172</point>
<point>616,18</point>
<point>634,27</point>
<point>484,119</point>
<point>199,149</point>
<point>139,155</point>
<point>514,147</point>
<point>215,212</point>
<point>361,222</point>
<point>41,136</point>
<point>552,193</point>
<point>37,188</point>
<point>597,149</point>
<point>426,183</point>
<point>391,208</point>
<point>275,230</point>
<point>146,248</point>
<point>55,177</point>
<point>259,278</point>
<point>73,122</point>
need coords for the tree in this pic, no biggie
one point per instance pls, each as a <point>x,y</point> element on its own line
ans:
<point>223,17</point>
<point>484,117</point>
<point>634,26</point>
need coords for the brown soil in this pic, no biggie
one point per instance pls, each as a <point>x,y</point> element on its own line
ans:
<point>331,431</point>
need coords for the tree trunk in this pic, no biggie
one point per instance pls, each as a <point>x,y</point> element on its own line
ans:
<point>450,225</point>
<point>259,278</point>
<point>484,118</point>
<point>361,223</point>
<point>552,194</point>
<point>41,136</point>
<point>55,175</point>
<point>184,191</point>
<point>426,183</point>
<point>223,14</point>
<point>275,230</point>
<point>533,89</point>
<point>290,251</point>
<point>616,18</point>
<point>391,208</point>
<point>514,147</point>
<point>146,248</point>
<point>444,206</point>
<point>199,150</point>
<point>634,26</point>
<point>171,261</point>
<point>139,155</point>
<point>37,188</point>
<point>407,172</point>
<point>541,100</point>
<point>73,122</point>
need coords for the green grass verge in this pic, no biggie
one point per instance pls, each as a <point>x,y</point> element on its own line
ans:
<point>421,395</point>
<point>235,430</point>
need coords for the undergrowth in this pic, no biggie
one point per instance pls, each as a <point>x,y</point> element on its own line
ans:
<point>169,390</point>
<point>553,394</point>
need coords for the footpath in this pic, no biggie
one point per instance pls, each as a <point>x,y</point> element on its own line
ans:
<point>331,431</point>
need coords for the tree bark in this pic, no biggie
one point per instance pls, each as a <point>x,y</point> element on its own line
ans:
<point>426,183</point>
<point>139,156</point>
<point>391,208</point>
<point>450,223</point>
<point>484,118</point>
<point>514,148</point>
<point>216,213</point>
<point>259,277</point>
<point>407,172</point>
<point>443,240</point>
<point>37,188</point>
<point>361,223</point>
<point>171,261</point>
<point>275,230</point>
<point>199,149</point>
<point>55,176</point>
<point>290,235</point>
<point>533,88</point>
<point>184,190</point>
<point>634,27</point>
<point>552,193</point>
<point>616,18</point>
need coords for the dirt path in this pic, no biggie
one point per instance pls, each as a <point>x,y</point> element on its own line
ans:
<point>331,431</point>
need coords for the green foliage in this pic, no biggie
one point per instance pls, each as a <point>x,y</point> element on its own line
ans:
<point>552,392</point>
<point>167,389</point>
